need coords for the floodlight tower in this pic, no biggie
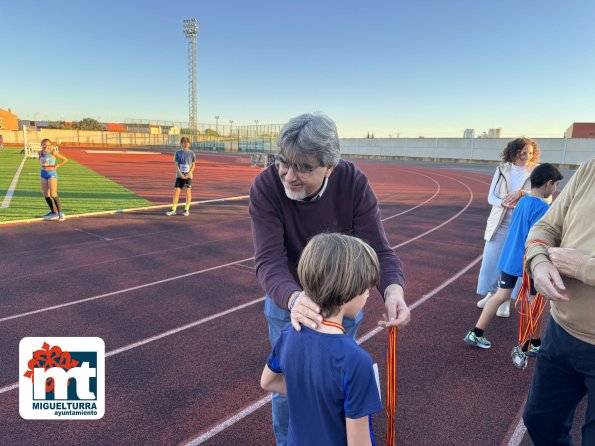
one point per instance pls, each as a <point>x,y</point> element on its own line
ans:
<point>191,31</point>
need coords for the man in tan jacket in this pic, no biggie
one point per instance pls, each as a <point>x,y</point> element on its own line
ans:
<point>564,272</point>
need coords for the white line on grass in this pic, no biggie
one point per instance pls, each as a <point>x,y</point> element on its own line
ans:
<point>13,185</point>
<point>120,211</point>
<point>263,401</point>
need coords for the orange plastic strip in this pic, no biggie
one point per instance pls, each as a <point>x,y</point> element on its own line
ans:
<point>391,386</point>
<point>530,312</point>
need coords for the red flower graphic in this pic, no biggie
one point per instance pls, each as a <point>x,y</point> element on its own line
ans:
<point>50,357</point>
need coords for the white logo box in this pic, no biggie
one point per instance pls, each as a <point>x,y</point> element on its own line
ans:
<point>83,399</point>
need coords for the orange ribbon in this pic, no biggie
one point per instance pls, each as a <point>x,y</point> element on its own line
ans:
<point>531,312</point>
<point>391,385</point>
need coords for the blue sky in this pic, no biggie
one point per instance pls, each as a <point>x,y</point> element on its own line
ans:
<point>416,67</point>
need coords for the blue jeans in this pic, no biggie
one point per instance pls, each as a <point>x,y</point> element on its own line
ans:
<point>277,319</point>
<point>564,373</point>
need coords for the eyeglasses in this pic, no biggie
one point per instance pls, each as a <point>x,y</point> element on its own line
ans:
<point>298,169</point>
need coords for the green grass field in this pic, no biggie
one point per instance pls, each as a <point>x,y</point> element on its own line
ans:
<point>80,189</point>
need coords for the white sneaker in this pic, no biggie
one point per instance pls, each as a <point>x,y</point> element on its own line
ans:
<point>186,213</point>
<point>170,213</point>
<point>504,309</point>
<point>482,303</point>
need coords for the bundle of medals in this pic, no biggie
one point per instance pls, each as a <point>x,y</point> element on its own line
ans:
<point>531,312</point>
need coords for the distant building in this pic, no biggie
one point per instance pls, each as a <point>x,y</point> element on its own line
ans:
<point>580,130</point>
<point>114,127</point>
<point>469,133</point>
<point>494,133</point>
<point>8,120</point>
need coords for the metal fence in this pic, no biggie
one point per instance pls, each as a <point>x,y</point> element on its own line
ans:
<point>263,139</point>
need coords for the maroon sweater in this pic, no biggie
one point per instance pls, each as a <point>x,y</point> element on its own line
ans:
<point>281,227</point>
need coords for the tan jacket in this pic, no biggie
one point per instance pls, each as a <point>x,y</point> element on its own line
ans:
<point>501,190</point>
<point>569,224</point>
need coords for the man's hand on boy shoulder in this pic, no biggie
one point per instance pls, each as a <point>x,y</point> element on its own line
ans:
<point>305,312</point>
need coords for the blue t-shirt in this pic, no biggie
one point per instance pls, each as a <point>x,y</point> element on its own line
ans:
<point>328,377</point>
<point>184,159</point>
<point>526,213</point>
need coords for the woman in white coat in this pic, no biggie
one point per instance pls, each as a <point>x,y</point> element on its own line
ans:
<point>510,183</point>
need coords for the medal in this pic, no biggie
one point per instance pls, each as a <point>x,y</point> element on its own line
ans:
<point>519,357</point>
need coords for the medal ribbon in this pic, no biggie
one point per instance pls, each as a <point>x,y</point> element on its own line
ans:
<point>530,312</point>
<point>334,324</point>
<point>391,385</point>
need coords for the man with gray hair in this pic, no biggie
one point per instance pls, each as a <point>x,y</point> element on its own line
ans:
<point>307,191</point>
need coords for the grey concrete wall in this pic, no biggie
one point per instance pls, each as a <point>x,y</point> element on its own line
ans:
<point>553,150</point>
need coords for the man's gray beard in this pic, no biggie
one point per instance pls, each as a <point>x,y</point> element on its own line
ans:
<point>294,195</point>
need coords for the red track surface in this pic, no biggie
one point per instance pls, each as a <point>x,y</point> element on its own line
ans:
<point>176,388</point>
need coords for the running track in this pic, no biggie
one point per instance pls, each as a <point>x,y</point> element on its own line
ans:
<point>178,306</point>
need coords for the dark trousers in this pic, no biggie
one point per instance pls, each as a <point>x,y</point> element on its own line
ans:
<point>564,373</point>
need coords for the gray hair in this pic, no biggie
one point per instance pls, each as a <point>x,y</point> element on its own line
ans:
<point>310,134</point>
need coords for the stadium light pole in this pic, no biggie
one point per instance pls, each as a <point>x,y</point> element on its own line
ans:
<point>256,131</point>
<point>217,125</point>
<point>191,31</point>
<point>230,127</point>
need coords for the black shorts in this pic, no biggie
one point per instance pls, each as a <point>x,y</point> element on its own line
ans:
<point>181,182</point>
<point>507,282</point>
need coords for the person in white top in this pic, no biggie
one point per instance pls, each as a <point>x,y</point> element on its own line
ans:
<point>510,183</point>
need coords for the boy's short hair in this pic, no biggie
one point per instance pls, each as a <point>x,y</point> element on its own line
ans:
<point>335,268</point>
<point>184,139</point>
<point>543,173</point>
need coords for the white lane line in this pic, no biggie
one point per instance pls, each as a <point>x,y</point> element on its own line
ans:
<point>101,237</point>
<point>193,324</point>
<point>248,410</point>
<point>518,434</point>
<point>113,293</point>
<point>230,421</point>
<point>425,297</point>
<point>260,403</point>
<point>183,327</point>
<point>13,185</point>
<point>121,211</point>
<point>519,431</point>
<point>157,282</point>
<point>444,223</point>
<point>161,335</point>
<point>420,204</point>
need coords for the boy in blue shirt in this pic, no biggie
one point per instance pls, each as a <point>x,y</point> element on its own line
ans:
<point>530,208</point>
<point>185,161</point>
<point>329,379</point>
